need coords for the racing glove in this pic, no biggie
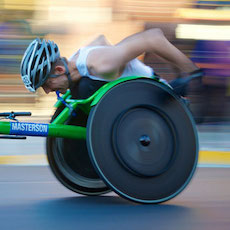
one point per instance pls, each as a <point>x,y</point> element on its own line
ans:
<point>180,84</point>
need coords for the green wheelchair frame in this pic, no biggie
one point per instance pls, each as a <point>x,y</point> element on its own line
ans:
<point>86,136</point>
<point>57,127</point>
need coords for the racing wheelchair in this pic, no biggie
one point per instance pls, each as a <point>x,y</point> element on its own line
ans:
<point>134,136</point>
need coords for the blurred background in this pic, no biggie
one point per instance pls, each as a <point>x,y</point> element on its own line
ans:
<point>200,29</point>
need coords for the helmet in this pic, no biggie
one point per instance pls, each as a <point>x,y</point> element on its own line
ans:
<point>36,63</point>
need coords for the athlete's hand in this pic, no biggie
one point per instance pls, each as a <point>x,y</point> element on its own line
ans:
<point>180,85</point>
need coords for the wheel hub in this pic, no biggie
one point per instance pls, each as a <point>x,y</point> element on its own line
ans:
<point>143,141</point>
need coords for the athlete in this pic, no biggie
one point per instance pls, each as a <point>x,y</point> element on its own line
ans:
<point>99,62</point>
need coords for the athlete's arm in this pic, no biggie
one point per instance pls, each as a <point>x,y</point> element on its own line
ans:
<point>100,40</point>
<point>107,61</point>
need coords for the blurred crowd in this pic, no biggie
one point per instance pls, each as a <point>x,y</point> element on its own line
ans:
<point>201,29</point>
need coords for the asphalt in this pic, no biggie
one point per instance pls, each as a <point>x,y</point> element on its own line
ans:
<point>31,198</point>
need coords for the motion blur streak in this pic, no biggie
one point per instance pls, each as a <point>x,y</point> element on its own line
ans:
<point>200,29</point>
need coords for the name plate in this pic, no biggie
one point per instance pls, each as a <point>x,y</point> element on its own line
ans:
<point>29,129</point>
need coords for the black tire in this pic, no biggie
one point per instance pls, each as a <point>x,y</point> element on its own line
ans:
<point>150,146</point>
<point>70,163</point>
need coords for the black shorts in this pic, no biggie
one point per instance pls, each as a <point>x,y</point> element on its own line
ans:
<point>86,87</point>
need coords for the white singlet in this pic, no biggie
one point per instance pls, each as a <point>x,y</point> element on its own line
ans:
<point>132,68</point>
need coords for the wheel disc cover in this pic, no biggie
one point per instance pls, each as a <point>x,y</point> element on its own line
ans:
<point>126,175</point>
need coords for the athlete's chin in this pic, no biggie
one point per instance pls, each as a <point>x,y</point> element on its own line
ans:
<point>63,91</point>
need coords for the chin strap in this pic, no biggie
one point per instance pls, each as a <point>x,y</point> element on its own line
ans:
<point>69,106</point>
<point>67,73</point>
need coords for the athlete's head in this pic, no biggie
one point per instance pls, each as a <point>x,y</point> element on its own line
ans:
<point>37,62</point>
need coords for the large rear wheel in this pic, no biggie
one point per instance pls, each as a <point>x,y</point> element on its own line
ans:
<point>145,148</point>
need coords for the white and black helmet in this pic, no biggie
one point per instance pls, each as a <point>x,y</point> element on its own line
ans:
<point>36,63</point>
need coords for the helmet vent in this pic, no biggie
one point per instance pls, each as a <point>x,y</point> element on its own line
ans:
<point>45,71</point>
<point>33,63</point>
<point>37,77</point>
<point>49,49</point>
<point>40,61</point>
